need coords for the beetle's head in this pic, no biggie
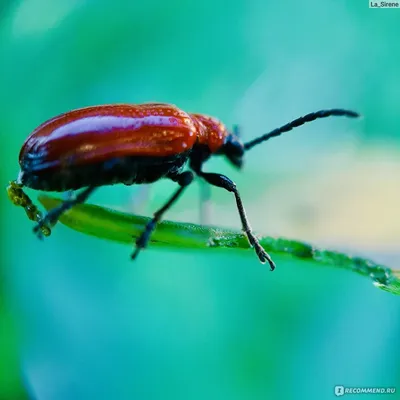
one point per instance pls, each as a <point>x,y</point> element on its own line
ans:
<point>233,148</point>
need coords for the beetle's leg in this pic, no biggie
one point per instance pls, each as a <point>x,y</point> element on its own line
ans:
<point>19,198</point>
<point>224,182</point>
<point>184,179</point>
<point>52,216</point>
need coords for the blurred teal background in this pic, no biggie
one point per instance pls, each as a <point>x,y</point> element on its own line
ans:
<point>79,321</point>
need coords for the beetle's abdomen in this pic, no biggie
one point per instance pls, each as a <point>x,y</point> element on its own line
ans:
<point>126,170</point>
<point>94,135</point>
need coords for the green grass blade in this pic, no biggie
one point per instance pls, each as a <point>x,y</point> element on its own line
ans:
<point>121,227</point>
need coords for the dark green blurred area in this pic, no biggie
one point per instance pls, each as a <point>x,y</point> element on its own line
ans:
<point>79,321</point>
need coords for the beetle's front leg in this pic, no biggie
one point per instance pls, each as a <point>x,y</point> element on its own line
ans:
<point>224,182</point>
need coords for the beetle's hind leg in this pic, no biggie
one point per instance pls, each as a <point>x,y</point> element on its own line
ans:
<point>19,198</point>
<point>52,216</point>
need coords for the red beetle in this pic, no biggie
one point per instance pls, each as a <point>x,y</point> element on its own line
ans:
<point>122,143</point>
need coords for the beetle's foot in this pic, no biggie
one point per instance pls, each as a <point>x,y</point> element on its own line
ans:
<point>41,230</point>
<point>43,227</point>
<point>143,239</point>
<point>135,253</point>
<point>264,256</point>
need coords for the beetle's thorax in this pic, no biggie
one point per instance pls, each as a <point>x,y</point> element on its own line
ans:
<point>211,132</point>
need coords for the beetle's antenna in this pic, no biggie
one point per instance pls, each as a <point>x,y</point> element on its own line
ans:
<point>236,130</point>
<point>300,121</point>
<point>19,198</point>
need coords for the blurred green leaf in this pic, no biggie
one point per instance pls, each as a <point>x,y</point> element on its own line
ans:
<point>121,227</point>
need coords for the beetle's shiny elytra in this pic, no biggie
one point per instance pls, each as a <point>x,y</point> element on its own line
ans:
<point>132,144</point>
